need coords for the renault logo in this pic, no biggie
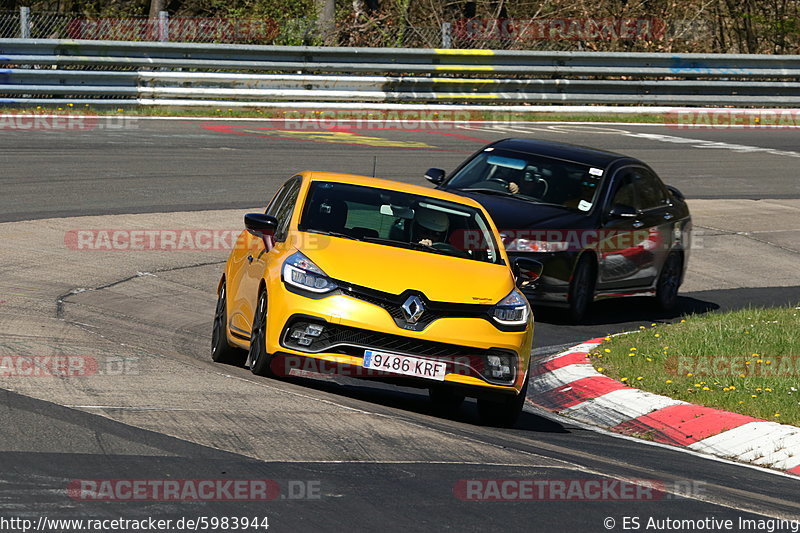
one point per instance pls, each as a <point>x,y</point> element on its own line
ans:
<point>413,309</point>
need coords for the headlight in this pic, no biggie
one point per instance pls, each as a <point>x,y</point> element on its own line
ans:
<point>301,272</point>
<point>526,245</point>
<point>512,310</point>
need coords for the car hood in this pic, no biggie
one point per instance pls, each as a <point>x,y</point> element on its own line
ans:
<point>387,268</point>
<point>512,214</point>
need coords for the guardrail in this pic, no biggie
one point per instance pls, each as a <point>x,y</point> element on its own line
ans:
<point>118,72</point>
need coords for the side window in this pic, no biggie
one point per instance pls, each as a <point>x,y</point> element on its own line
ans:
<point>278,199</point>
<point>285,208</point>
<point>649,189</point>
<point>625,194</point>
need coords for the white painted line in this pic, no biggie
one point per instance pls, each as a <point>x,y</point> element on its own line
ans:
<point>619,406</point>
<point>762,443</point>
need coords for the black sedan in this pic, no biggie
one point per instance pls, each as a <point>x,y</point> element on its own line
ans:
<point>603,224</point>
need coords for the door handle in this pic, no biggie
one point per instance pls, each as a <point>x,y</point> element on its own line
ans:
<point>638,224</point>
<point>669,216</point>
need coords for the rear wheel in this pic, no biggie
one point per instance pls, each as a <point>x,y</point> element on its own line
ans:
<point>502,412</point>
<point>581,289</point>
<point>669,280</point>
<point>258,359</point>
<point>221,351</point>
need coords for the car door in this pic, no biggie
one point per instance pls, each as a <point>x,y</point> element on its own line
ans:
<point>658,217</point>
<point>256,256</point>
<point>615,269</point>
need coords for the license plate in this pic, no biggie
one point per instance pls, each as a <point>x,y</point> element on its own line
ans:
<point>403,364</point>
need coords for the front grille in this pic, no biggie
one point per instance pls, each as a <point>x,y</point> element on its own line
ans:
<point>393,303</point>
<point>347,340</point>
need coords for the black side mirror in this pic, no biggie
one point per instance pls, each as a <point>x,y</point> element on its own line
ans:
<point>435,175</point>
<point>260,225</point>
<point>622,211</point>
<point>526,271</point>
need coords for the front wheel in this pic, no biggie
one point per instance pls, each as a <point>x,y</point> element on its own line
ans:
<point>221,351</point>
<point>502,412</point>
<point>258,359</point>
<point>581,289</point>
<point>668,282</point>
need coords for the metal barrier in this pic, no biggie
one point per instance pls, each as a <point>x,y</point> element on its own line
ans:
<point>136,72</point>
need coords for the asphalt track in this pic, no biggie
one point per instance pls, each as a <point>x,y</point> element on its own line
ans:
<point>382,459</point>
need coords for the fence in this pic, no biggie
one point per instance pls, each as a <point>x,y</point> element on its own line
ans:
<point>115,72</point>
<point>555,34</point>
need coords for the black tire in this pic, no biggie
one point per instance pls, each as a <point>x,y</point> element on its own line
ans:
<point>669,281</point>
<point>581,289</point>
<point>444,400</point>
<point>258,359</point>
<point>504,411</point>
<point>221,351</point>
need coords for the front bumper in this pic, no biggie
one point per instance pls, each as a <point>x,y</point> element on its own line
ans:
<point>352,326</point>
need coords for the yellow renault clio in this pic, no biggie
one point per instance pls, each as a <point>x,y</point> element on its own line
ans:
<point>379,280</point>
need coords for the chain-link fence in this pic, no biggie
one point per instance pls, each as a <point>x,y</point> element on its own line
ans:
<point>609,34</point>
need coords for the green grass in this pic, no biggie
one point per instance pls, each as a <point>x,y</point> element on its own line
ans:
<point>745,361</point>
<point>256,112</point>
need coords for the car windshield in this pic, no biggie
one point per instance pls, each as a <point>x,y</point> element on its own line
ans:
<point>398,219</point>
<point>530,177</point>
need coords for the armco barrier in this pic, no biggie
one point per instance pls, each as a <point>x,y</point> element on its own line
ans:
<point>133,72</point>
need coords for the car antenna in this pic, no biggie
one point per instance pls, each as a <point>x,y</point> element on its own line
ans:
<point>374,164</point>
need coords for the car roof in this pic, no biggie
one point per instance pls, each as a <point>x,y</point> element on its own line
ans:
<point>564,151</point>
<point>355,179</point>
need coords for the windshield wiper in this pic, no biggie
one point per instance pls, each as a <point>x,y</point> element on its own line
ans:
<point>489,191</point>
<point>333,234</point>
<point>409,245</point>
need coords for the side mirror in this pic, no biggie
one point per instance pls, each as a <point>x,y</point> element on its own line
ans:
<point>622,211</point>
<point>260,225</point>
<point>526,271</point>
<point>435,175</point>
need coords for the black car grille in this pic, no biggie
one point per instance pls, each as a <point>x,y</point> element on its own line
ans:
<point>393,303</point>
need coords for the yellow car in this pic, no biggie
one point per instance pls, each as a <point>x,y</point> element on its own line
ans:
<point>381,280</point>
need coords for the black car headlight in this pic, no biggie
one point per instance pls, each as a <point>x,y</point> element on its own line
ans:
<point>301,272</point>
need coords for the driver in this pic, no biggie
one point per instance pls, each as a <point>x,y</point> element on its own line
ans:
<point>533,183</point>
<point>429,226</point>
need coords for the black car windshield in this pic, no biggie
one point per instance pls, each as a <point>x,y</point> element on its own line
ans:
<point>530,177</point>
<point>398,219</point>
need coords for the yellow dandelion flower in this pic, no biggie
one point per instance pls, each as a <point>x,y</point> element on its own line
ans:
<point>776,415</point>
<point>640,378</point>
<point>689,374</point>
<point>706,388</point>
<point>600,369</point>
<point>607,350</point>
<point>741,375</point>
<point>657,335</point>
<point>623,380</point>
<point>668,381</point>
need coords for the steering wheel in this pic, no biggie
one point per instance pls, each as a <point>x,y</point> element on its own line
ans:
<point>449,248</point>
<point>499,180</point>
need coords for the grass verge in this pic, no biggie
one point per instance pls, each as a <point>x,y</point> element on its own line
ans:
<point>745,361</point>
